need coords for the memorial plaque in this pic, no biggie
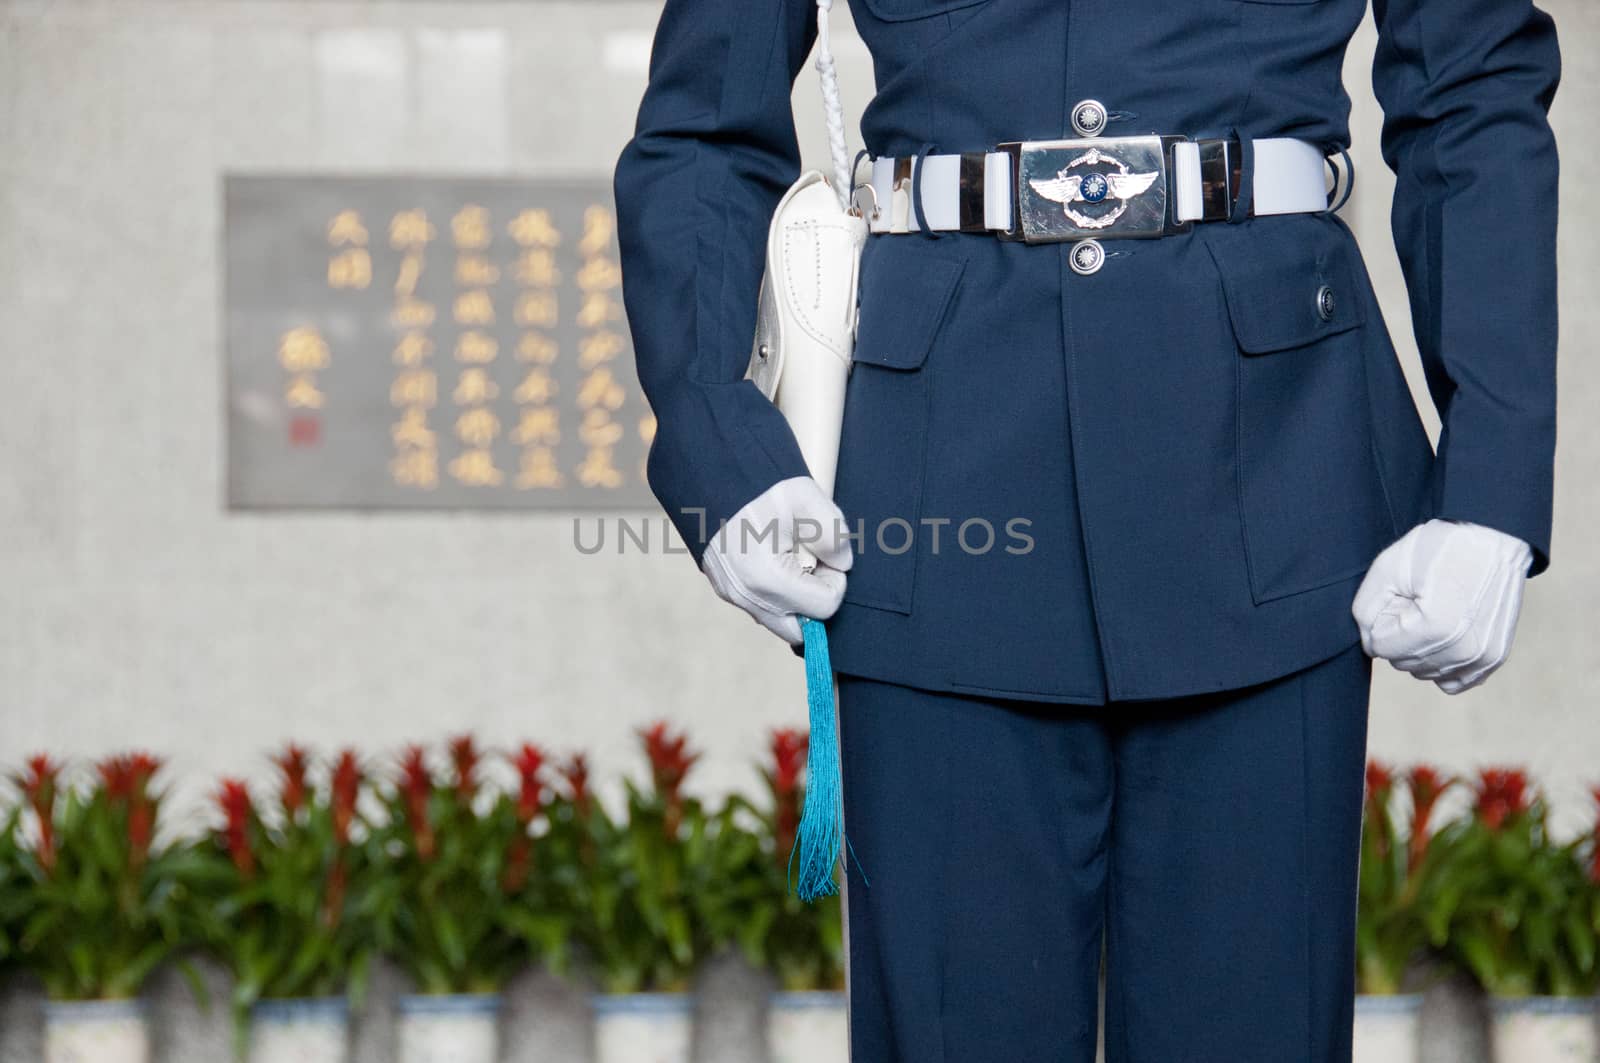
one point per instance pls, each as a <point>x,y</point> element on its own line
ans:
<point>429,342</point>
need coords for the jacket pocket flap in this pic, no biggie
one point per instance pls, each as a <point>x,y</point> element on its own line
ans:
<point>905,291</point>
<point>1288,289</point>
<point>906,10</point>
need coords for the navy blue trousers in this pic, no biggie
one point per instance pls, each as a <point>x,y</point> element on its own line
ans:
<point>1207,843</point>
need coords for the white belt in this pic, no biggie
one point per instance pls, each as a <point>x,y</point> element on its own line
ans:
<point>1101,187</point>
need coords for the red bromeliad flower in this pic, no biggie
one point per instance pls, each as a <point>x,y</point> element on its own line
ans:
<point>576,774</point>
<point>529,762</point>
<point>670,761</point>
<point>788,757</point>
<point>464,758</point>
<point>116,775</point>
<point>1427,784</point>
<point>519,863</point>
<point>39,788</point>
<point>1380,780</point>
<point>333,899</point>
<point>292,764</point>
<point>127,779</point>
<point>1502,794</point>
<point>233,797</point>
<point>788,748</point>
<point>346,789</point>
<point>1380,783</point>
<point>416,785</point>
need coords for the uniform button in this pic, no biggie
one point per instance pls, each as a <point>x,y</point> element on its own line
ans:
<point>1325,303</point>
<point>1087,257</point>
<point>1089,118</point>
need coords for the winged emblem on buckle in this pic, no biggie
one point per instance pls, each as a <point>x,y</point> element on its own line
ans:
<point>1117,185</point>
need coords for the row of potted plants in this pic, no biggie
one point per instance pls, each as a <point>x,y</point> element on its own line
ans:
<point>462,879</point>
<point>1489,892</point>
<point>465,880</point>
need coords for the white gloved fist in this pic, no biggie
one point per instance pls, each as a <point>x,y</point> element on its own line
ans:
<point>1441,603</point>
<point>754,562</point>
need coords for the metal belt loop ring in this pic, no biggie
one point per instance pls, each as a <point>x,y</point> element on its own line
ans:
<point>916,191</point>
<point>1347,169</point>
<point>1244,196</point>
<point>857,207</point>
<point>855,164</point>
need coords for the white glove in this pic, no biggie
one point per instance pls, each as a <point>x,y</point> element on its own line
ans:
<point>1442,602</point>
<point>753,561</point>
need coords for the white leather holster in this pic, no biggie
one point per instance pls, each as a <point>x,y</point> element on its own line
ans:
<point>805,325</point>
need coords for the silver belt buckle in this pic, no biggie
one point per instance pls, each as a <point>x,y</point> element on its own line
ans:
<point>1091,187</point>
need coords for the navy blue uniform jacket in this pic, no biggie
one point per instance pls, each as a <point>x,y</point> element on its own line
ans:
<point>1204,466</point>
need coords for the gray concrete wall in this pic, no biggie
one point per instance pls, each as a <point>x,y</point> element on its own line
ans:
<point>139,611</point>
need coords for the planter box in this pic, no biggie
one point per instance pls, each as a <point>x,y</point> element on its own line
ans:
<point>809,1027</point>
<point>1544,1030</point>
<point>642,1027</point>
<point>96,1031</point>
<point>461,1028</point>
<point>1388,1028</point>
<point>312,1030</point>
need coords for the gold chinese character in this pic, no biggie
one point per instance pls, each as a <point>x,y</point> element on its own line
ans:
<point>598,273</point>
<point>475,271</point>
<point>412,313</point>
<point>414,387</point>
<point>476,468</point>
<point>412,429</point>
<point>350,269</point>
<point>537,307</point>
<point>476,347</point>
<point>598,308</point>
<point>536,387</point>
<point>537,348</point>
<point>474,308</point>
<point>539,424</point>
<point>600,390</point>
<point>599,430</point>
<point>405,282</point>
<point>598,347</point>
<point>413,349</point>
<point>536,267</point>
<point>532,228</point>
<point>416,468</point>
<point>647,427</point>
<point>302,349</point>
<point>302,392</point>
<point>473,386</point>
<point>539,469</point>
<point>599,470</point>
<point>598,227</point>
<point>470,227</point>
<point>410,230</point>
<point>478,426</point>
<point>346,228</point>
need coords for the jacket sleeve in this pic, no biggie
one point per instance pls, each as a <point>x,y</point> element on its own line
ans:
<point>1465,87</point>
<point>713,150</point>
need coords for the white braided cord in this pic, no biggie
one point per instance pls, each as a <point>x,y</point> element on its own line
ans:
<point>833,109</point>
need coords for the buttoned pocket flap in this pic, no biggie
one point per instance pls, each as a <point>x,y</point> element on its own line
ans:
<point>1286,288</point>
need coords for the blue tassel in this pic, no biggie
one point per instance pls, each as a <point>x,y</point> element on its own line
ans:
<point>822,819</point>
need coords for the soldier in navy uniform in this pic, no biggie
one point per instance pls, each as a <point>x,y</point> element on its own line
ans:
<point>1111,323</point>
